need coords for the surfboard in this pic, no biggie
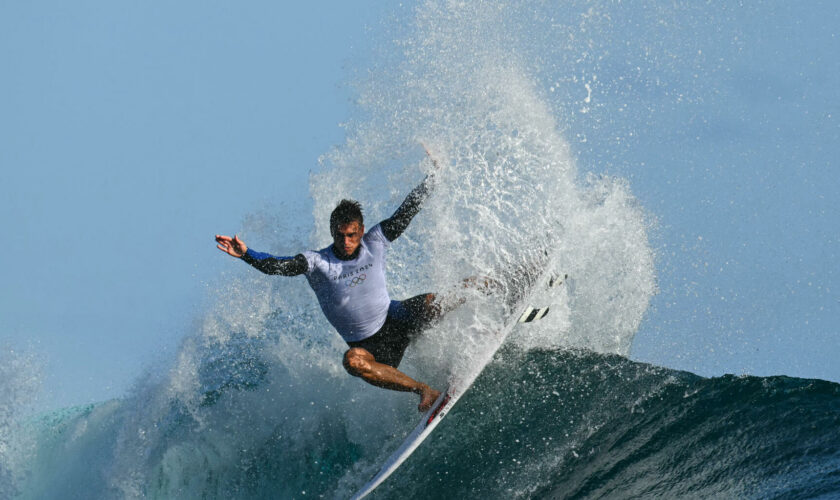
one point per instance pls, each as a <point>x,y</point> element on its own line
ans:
<point>520,312</point>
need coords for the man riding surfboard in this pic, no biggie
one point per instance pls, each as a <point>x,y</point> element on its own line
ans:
<point>348,278</point>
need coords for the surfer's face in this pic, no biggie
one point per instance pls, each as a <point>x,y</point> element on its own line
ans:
<point>347,237</point>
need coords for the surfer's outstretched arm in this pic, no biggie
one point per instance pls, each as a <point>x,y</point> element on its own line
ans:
<point>267,263</point>
<point>270,264</point>
<point>396,224</point>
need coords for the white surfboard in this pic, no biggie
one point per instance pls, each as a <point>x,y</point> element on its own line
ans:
<point>521,313</point>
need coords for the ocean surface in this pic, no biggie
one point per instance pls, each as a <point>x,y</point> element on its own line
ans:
<point>255,403</point>
<point>541,423</point>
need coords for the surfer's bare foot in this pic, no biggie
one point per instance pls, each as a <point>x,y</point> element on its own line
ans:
<point>428,396</point>
<point>483,284</point>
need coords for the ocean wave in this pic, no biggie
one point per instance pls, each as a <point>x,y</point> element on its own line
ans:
<point>545,423</point>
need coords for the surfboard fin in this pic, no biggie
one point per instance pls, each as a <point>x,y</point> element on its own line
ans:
<point>557,280</point>
<point>532,314</point>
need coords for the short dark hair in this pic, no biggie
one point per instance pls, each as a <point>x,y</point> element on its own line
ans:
<point>345,212</point>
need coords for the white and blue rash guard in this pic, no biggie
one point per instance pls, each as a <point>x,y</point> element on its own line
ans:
<point>352,292</point>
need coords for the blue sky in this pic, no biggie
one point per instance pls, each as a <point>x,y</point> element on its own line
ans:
<point>131,133</point>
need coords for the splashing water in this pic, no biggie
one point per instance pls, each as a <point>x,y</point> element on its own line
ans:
<point>256,402</point>
<point>20,381</point>
<point>508,180</point>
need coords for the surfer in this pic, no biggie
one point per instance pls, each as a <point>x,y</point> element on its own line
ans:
<point>348,278</point>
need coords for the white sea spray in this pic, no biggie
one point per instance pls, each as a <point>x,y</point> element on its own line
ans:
<point>20,382</point>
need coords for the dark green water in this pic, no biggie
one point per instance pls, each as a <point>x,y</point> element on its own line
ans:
<point>536,424</point>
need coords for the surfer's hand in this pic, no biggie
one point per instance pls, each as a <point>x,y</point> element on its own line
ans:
<point>428,396</point>
<point>231,246</point>
<point>431,156</point>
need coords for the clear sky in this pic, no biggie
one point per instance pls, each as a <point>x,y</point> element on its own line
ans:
<point>131,133</point>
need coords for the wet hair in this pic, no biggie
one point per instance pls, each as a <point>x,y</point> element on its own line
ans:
<point>346,212</point>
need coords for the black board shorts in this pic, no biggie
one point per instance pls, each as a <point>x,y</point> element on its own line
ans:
<point>405,320</point>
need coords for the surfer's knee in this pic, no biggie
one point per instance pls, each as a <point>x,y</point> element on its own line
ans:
<point>357,361</point>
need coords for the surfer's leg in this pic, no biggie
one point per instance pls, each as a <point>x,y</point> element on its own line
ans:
<point>361,363</point>
<point>422,310</point>
<point>434,306</point>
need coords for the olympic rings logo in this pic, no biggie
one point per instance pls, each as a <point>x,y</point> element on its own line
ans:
<point>356,281</point>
